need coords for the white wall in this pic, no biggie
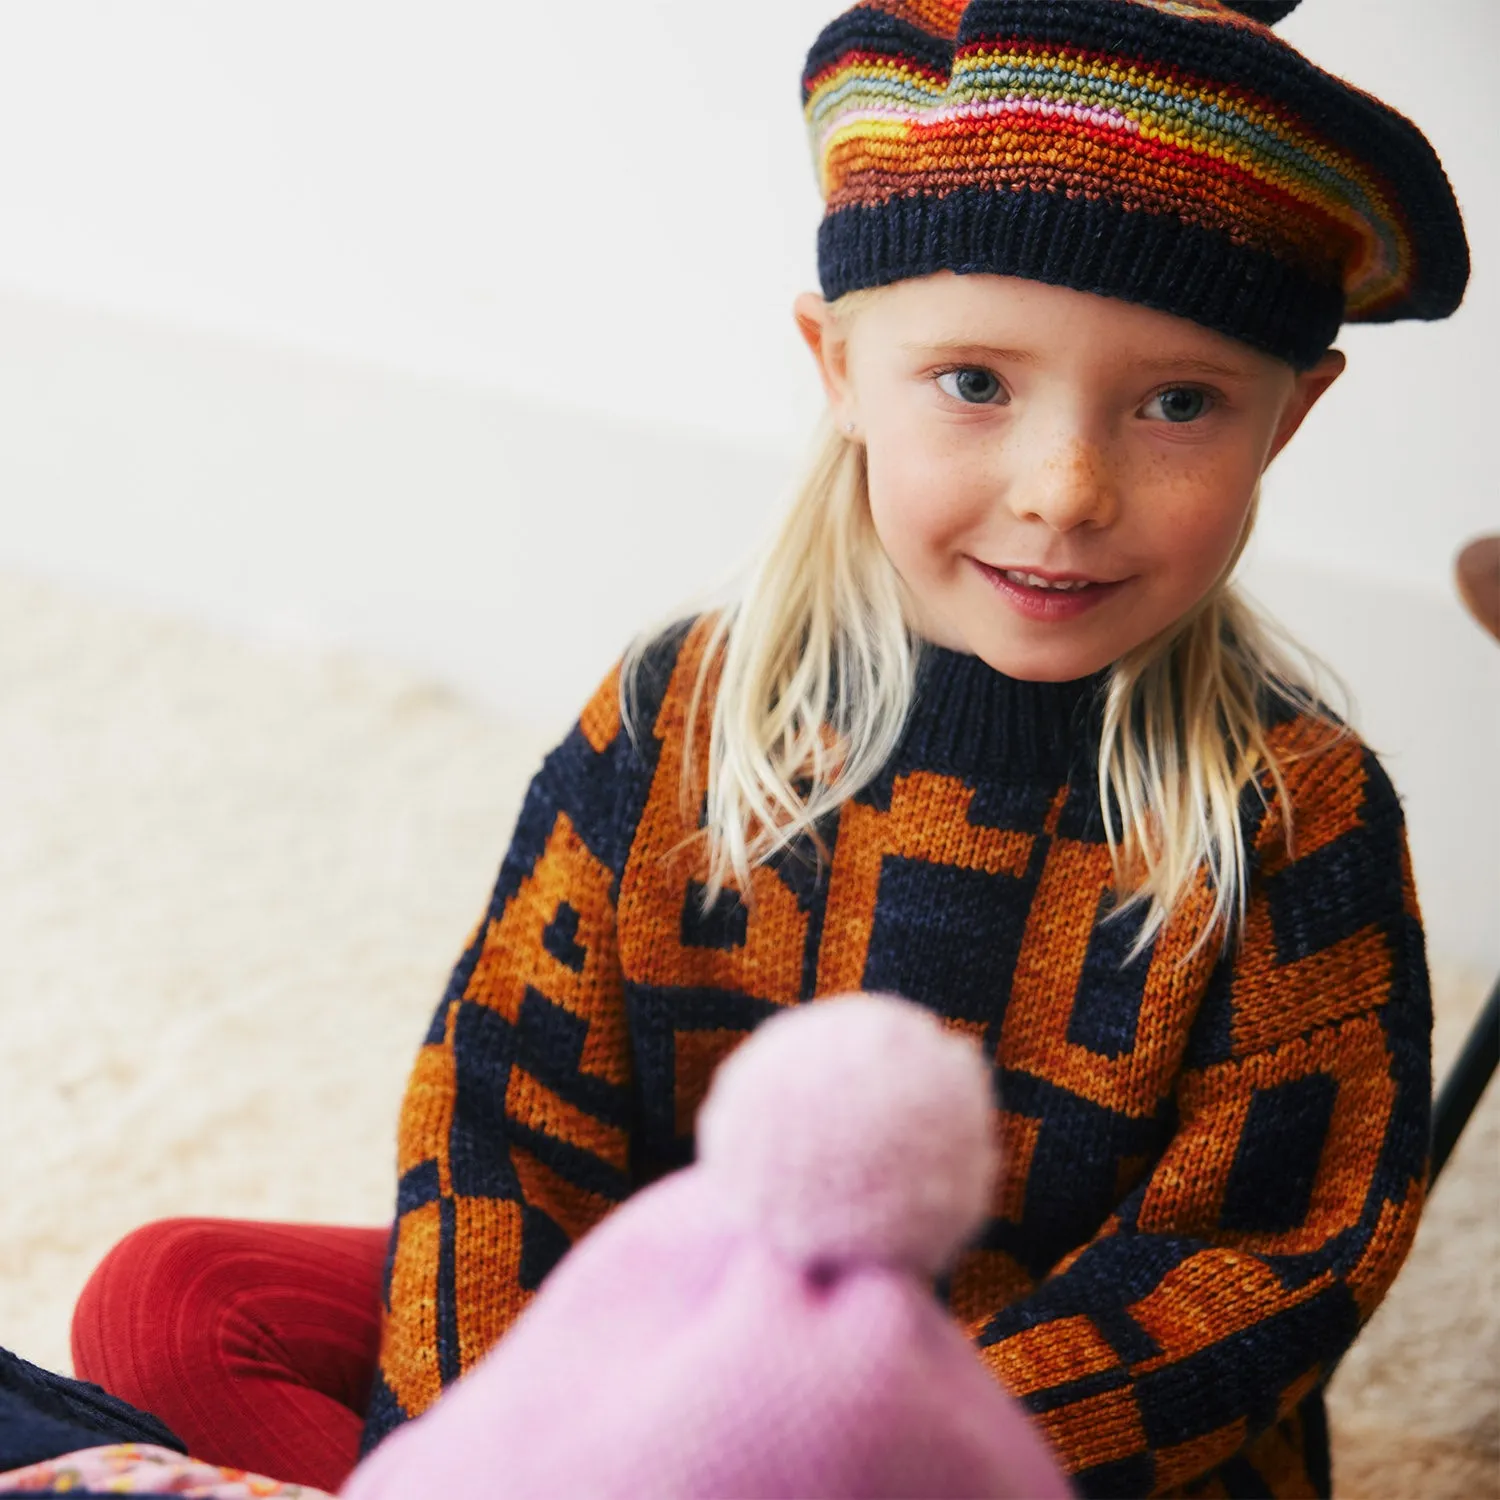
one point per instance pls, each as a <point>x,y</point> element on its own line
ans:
<point>462,529</point>
<point>443,331</point>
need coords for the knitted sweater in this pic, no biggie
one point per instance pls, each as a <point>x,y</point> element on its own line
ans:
<point>1215,1160</point>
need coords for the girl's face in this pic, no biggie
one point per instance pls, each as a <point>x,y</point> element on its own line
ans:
<point>1056,476</point>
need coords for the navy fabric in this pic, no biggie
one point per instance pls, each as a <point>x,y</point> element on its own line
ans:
<point>43,1416</point>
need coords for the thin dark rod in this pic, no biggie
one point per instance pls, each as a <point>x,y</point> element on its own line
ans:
<point>1465,1081</point>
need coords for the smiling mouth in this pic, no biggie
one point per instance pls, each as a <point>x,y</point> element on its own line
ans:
<point>1048,597</point>
<point>1064,584</point>
<point>1061,583</point>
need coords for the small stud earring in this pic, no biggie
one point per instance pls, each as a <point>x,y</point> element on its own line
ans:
<point>848,426</point>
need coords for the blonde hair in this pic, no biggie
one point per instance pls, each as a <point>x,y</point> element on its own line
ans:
<point>812,672</point>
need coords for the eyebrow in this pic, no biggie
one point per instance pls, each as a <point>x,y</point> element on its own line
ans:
<point>1197,366</point>
<point>955,348</point>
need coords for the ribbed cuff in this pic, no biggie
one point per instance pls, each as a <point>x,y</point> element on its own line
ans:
<point>1092,246</point>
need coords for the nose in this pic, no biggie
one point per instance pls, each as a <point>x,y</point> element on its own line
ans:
<point>1070,483</point>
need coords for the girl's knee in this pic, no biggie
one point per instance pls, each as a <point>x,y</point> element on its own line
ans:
<point>131,1297</point>
<point>139,1259</point>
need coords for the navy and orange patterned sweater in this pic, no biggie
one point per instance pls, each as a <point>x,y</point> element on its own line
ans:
<point>1215,1161</point>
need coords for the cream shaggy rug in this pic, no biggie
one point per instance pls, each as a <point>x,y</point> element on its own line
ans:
<point>232,881</point>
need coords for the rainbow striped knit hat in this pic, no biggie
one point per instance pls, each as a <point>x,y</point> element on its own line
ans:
<point>1174,153</point>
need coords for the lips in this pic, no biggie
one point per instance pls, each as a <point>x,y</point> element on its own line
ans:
<point>1048,597</point>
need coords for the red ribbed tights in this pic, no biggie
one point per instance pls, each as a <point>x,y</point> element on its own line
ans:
<point>255,1343</point>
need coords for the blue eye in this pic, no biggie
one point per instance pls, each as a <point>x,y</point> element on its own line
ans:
<point>1182,403</point>
<point>971,384</point>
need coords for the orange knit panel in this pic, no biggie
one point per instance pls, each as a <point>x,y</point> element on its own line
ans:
<point>1061,923</point>
<point>928,819</point>
<point>1209,1297</point>
<point>982,1283</point>
<point>515,958</point>
<point>1096,1430</point>
<point>427,1111</point>
<point>1053,1353</point>
<point>600,720</point>
<point>532,1104</point>
<point>667,866</point>
<point>486,1273</point>
<point>1186,1191</point>
<point>409,1344</point>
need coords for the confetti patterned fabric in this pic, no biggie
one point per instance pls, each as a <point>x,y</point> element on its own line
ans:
<point>144,1470</point>
<point>1169,152</point>
<point>1214,1163</point>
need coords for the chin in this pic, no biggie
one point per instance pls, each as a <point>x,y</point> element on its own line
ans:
<point>1040,664</point>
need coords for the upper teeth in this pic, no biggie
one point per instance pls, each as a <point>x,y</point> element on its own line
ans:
<point>1035,581</point>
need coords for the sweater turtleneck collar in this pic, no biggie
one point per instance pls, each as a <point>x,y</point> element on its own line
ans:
<point>970,720</point>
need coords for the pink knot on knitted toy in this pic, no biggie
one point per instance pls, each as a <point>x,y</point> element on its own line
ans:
<point>856,1129</point>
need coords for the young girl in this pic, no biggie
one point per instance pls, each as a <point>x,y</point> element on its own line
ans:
<point>991,729</point>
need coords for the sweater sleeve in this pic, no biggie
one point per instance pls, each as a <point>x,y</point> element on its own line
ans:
<point>514,1129</point>
<point>1231,1279</point>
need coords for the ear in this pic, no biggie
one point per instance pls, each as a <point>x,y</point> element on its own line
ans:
<point>829,349</point>
<point>1309,387</point>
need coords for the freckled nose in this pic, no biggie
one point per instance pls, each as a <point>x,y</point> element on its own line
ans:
<point>1070,485</point>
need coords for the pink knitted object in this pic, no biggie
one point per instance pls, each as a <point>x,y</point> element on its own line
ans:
<point>760,1324</point>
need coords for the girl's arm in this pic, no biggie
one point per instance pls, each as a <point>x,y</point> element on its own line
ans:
<point>1230,1281</point>
<point>513,1139</point>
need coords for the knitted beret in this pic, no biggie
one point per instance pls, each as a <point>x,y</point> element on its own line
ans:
<point>1174,153</point>
<point>762,1323</point>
